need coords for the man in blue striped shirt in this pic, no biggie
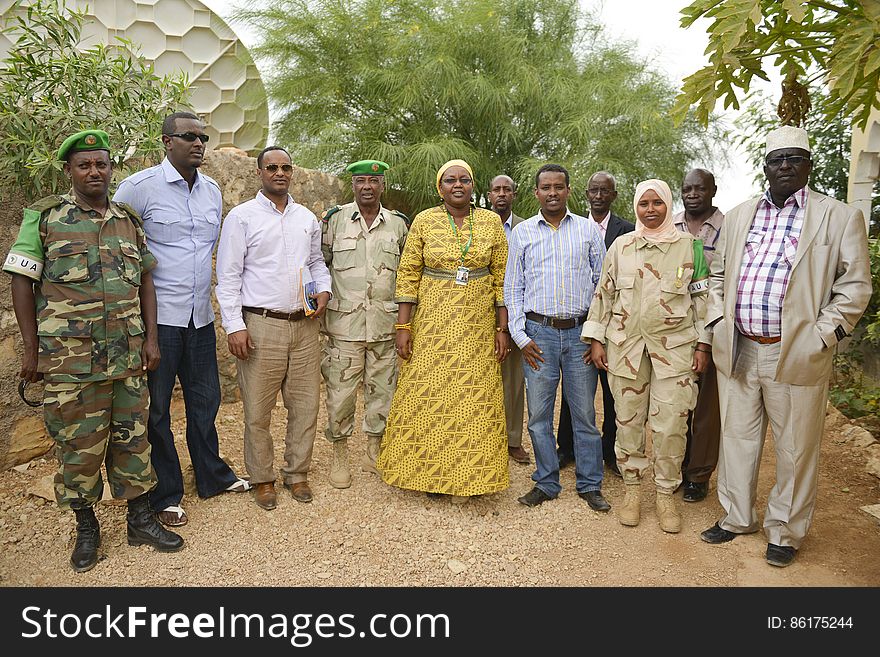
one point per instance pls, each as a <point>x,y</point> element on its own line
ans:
<point>553,266</point>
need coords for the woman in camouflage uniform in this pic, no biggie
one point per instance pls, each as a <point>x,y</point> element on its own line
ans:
<point>643,326</point>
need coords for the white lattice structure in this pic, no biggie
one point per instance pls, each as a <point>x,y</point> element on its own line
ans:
<point>864,168</point>
<point>185,36</point>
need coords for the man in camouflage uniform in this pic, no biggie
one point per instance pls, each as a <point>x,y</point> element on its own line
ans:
<point>362,243</point>
<point>86,307</point>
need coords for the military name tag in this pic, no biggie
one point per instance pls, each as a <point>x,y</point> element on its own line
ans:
<point>461,276</point>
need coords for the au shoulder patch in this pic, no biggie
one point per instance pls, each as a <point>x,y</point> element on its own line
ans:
<point>699,287</point>
<point>330,213</point>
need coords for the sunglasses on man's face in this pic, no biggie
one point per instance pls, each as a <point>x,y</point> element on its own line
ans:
<point>190,136</point>
<point>272,168</point>
<point>793,160</point>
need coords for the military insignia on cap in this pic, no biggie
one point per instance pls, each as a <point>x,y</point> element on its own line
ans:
<point>375,166</point>
<point>90,140</point>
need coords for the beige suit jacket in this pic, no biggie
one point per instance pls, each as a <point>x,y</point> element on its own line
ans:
<point>828,289</point>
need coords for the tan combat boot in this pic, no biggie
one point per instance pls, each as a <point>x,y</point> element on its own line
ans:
<point>630,513</point>
<point>667,513</point>
<point>340,477</point>
<point>368,461</point>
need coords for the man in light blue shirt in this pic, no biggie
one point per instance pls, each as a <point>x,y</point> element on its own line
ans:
<point>553,266</point>
<point>181,210</point>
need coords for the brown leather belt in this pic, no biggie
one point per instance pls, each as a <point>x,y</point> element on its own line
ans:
<point>760,339</point>
<point>274,314</point>
<point>555,322</point>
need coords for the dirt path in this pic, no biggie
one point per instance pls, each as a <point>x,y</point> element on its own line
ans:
<point>372,535</point>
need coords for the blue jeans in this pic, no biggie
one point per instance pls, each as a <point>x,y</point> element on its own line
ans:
<point>563,352</point>
<point>189,354</point>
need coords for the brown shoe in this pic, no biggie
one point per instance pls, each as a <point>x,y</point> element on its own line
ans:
<point>265,495</point>
<point>300,491</point>
<point>519,455</point>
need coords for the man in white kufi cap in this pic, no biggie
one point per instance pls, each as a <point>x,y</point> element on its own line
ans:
<point>789,280</point>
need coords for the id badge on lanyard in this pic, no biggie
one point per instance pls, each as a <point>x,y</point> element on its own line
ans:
<point>462,273</point>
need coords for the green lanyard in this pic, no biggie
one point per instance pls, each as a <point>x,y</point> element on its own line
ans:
<point>467,247</point>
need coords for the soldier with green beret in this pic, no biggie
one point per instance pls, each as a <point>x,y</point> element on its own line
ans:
<point>86,307</point>
<point>362,242</point>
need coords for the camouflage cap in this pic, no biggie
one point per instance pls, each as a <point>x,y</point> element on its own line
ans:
<point>87,140</point>
<point>367,168</point>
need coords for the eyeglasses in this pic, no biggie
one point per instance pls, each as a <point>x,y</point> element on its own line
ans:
<point>595,191</point>
<point>793,160</point>
<point>272,168</point>
<point>190,136</point>
<point>451,181</point>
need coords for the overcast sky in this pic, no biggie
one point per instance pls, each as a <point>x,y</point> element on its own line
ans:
<point>653,25</point>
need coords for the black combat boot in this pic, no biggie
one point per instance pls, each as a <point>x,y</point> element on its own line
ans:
<point>88,540</point>
<point>144,528</point>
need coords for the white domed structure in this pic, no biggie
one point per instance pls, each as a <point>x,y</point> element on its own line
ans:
<point>185,36</point>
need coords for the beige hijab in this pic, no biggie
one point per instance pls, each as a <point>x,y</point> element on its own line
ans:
<point>665,232</point>
<point>453,163</point>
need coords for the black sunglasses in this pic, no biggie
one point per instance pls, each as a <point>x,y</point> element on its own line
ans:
<point>190,136</point>
<point>272,168</point>
<point>793,160</point>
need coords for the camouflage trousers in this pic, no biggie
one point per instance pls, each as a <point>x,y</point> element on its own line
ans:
<point>99,422</point>
<point>346,364</point>
<point>665,403</point>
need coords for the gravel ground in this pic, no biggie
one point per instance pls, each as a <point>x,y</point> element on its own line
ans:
<point>375,535</point>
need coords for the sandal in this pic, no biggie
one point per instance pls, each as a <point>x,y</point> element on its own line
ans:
<point>240,486</point>
<point>172,516</point>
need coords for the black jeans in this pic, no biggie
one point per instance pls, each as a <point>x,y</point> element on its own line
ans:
<point>189,354</point>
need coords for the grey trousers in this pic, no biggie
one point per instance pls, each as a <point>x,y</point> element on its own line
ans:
<point>750,399</point>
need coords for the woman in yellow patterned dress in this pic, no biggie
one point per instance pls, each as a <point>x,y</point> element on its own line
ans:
<point>446,428</point>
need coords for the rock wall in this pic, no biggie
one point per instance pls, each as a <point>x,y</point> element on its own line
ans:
<point>22,435</point>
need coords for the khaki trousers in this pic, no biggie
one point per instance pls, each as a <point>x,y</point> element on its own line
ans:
<point>514,395</point>
<point>750,399</point>
<point>286,358</point>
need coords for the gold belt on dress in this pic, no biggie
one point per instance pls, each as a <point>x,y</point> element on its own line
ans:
<point>446,274</point>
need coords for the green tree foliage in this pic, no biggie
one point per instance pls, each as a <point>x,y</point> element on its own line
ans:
<point>506,86</point>
<point>837,41</point>
<point>50,89</point>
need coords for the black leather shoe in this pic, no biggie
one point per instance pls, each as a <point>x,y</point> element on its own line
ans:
<point>695,492</point>
<point>780,555</point>
<point>565,458</point>
<point>534,497</point>
<point>88,540</point>
<point>715,534</point>
<point>596,501</point>
<point>144,528</point>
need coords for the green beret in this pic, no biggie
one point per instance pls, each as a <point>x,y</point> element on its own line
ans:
<point>87,140</point>
<point>367,168</point>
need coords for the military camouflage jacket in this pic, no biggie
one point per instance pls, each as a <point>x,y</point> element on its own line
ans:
<point>650,295</point>
<point>87,273</point>
<point>363,265</point>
